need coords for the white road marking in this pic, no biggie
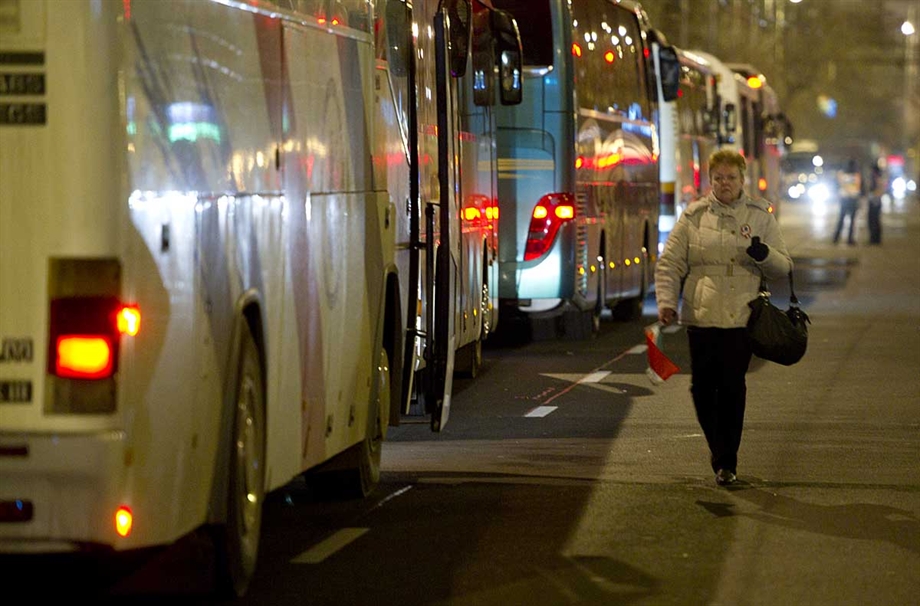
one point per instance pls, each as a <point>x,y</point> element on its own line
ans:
<point>330,546</point>
<point>595,377</point>
<point>541,411</point>
<point>638,349</point>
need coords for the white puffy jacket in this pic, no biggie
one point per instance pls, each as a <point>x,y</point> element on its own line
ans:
<point>706,254</point>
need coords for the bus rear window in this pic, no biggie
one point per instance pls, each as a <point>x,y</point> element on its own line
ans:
<point>536,27</point>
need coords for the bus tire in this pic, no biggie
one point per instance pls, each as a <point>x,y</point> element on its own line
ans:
<point>354,474</point>
<point>469,357</point>
<point>237,540</point>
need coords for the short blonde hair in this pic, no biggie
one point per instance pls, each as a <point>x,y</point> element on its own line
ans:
<point>727,157</point>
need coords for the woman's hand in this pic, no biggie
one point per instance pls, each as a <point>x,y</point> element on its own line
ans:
<point>666,316</point>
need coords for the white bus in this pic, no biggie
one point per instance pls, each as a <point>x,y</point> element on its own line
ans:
<point>201,294</point>
<point>578,164</point>
<point>460,196</point>
<point>751,123</point>
<point>688,131</point>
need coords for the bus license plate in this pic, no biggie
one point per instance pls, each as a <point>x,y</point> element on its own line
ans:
<point>15,391</point>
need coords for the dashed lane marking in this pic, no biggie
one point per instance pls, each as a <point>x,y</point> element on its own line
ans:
<point>338,541</point>
<point>541,411</point>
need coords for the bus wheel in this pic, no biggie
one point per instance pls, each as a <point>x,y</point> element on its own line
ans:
<point>485,310</point>
<point>469,357</point>
<point>468,360</point>
<point>361,475</point>
<point>238,540</point>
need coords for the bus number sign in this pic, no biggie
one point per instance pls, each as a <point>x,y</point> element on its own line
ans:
<point>15,391</point>
<point>22,84</point>
<point>15,114</point>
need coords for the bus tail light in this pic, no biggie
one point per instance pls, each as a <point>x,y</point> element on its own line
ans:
<point>491,210</point>
<point>87,323</point>
<point>84,337</point>
<point>548,216</point>
<point>124,520</point>
<point>83,357</point>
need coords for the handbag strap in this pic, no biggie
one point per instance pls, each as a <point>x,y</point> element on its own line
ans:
<point>793,300</point>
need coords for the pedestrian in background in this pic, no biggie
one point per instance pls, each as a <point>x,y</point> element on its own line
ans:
<point>877,187</point>
<point>715,254</point>
<point>849,190</point>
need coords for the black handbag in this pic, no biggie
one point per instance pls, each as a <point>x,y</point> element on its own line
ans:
<point>777,335</point>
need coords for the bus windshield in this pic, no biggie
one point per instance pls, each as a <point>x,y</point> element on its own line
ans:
<point>535,24</point>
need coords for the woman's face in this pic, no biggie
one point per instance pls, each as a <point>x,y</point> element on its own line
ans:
<point>727,182</point>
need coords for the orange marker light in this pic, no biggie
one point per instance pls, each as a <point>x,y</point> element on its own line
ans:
<point>471,213</point>
<point>576,50</point>
<point>609,56</point>
<point>540,212</point>
<point>83,357</point>
<point>124,520</point>
<point>564,211</point>
<point>129,320</point>
<point>755,82</point>
<point>762,184</point>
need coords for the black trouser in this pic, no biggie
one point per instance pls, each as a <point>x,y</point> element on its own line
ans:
<point>875,220</point>
<point>719,359</point>
<point>848,208</point>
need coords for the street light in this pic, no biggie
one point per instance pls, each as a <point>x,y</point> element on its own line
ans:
<point>907,28</point>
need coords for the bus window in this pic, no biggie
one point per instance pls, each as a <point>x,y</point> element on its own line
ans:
<point>608,57</point>
<point>535,28</point>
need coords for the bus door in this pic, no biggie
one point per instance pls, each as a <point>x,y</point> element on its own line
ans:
<point>433,218</point>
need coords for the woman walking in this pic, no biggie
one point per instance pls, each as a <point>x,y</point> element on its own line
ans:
<point>715,255</point>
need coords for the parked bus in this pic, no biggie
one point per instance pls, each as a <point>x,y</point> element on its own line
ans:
<point>767,131</point>
<point>753,124</point>
<point>688,130</point>
<point>455,195</point>
<point>578,163</point>
<point>200,286</point>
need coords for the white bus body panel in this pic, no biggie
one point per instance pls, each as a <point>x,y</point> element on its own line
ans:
<point>159,150</point>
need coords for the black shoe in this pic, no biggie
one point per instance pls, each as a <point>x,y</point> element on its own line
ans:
<point>725,477</point>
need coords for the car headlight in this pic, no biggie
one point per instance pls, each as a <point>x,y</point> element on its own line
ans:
<point>819,193</point>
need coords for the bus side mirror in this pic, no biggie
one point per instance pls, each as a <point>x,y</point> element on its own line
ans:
<point>483,63</point>
<point>509,56</point>
<point>711,125</point>
<point>669,66</point>
<point>398,18</point>
<point>459,19</point>
<point>730,117</point>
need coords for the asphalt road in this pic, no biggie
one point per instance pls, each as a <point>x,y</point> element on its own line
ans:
<point>566,477</point>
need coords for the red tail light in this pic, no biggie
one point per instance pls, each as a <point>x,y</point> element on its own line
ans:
<point>83,357</point>
<point>548,216</point>
<point>84,336</point>
<point>472,211</point>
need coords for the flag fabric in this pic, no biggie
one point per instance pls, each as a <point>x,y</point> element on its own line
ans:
<point>660,367</point>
